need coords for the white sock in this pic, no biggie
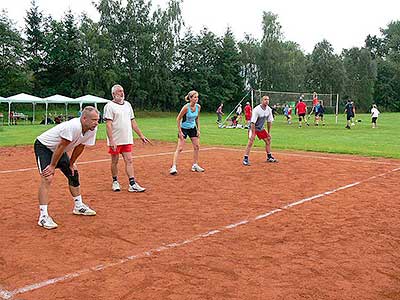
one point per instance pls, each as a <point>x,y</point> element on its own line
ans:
<point>78,201</point>
<point>43,210</point>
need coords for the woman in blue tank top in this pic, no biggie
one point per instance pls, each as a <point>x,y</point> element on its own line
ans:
<point>188,125</point>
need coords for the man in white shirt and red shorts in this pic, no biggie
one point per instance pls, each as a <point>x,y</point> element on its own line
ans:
<point>120,120</point>
<point>261,114</point>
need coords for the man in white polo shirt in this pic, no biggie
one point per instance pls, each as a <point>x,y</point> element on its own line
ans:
<point>120,120</point>
<point>51,149</point>
<point>261,114</point>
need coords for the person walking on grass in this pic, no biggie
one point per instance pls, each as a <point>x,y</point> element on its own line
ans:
<point>374,115</point>
<point>262,113</point>
<point>349,110</point>
<point>220,113</point>
<point>188,124</point>
<point>120,120</point>
<point>301,111</point>
<point>51,149</point>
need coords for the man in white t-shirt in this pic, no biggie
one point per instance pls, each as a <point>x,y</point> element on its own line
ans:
<point>51,149</point>
<point>120,120</point>
<point>261,114</point>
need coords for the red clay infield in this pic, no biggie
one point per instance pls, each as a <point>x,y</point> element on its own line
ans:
<point>313,226</point>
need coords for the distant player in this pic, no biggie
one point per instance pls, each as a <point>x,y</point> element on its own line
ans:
<point>287,112</point>
<point>374,115</point>
<point>349,110</point>
<point>247,113</point>
<point>301,111</point>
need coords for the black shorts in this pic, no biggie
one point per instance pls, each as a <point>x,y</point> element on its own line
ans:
<point>349,116</point>
<point>43,159</point>
<point>374,119</point>
<point>191,132</point>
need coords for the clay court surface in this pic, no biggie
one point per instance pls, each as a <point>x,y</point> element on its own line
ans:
<point>313,226</point>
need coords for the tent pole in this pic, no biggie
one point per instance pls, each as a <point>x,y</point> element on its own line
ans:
<point>33,112</point>
<point>9,113</point>
<point>45,120</point>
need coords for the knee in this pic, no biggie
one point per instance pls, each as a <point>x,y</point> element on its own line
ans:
<point>196,147</point>
<point>47,180</point>
<point>73,180</point>
<point>128,160</point>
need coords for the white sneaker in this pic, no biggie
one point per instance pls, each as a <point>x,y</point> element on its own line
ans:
<point>115,186</point>
<point>47,222</point>
<point>197,168</point>
<point>84,210</point>
<point>173,170</point>
<point>136,188</point>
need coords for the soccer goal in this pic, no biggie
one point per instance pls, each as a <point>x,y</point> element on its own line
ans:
<point>280,99</point>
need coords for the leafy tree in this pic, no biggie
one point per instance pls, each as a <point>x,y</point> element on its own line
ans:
<point>360,76</point>
<point>13,76</point>
<point>325,71</point>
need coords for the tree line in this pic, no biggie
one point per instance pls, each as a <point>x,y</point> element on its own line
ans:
<point>148,52</point>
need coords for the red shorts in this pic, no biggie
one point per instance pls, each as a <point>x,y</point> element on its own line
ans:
<point>120,149</point>
<point>263,134</point>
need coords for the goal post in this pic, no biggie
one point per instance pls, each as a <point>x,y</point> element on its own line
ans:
<point>280,99</point>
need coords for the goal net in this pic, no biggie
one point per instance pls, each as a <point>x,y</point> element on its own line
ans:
<point>280,99</point>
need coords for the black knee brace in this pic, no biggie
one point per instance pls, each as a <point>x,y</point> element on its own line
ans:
<point>73,180</point>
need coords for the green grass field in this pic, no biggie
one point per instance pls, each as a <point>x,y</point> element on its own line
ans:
<point>361,139</point>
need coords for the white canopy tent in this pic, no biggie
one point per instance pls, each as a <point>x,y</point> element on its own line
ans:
<point>59,99</point>
<point>90,99</point>
<point>26,98</point>
<point>22,98</point>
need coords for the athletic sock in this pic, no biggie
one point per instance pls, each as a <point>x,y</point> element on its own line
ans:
<point>43,210</point>
<point>115,178</point>
<point>131,181</point>
<point>246,157</point>
<point>78,201</point>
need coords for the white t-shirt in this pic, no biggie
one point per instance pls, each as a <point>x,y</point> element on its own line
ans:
<point>374,112</point>
<point>239,110</point>
<point>121,116</point>
<point>260,115</point>
<point>71,131</point>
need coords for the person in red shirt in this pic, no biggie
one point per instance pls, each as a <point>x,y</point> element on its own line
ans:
<point>247,113</point>
<point>301,111</point>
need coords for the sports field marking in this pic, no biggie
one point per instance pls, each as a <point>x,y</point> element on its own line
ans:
<point>315,156</point>
<point>107,160</point>
<point>215,148</point>
<point>5,294</point>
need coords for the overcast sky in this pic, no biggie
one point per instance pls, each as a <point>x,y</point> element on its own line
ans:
<point>344,23</point>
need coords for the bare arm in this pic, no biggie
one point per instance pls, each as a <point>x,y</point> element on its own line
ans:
<point>179,118</point>
<point>198,123</point>
<point>269,125</point>
<point>110,135</point>
<point>136,128</point>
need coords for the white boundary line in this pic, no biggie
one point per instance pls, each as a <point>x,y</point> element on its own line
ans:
<point>107,159</point>
<point>317,156</point>
<point>215,148</point>
<point>5,294</point>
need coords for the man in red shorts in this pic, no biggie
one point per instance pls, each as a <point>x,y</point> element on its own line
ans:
<point>120,120</point>
<point>262,113</point>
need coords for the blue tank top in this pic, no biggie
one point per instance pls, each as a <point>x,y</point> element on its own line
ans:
<point>189,119</point>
